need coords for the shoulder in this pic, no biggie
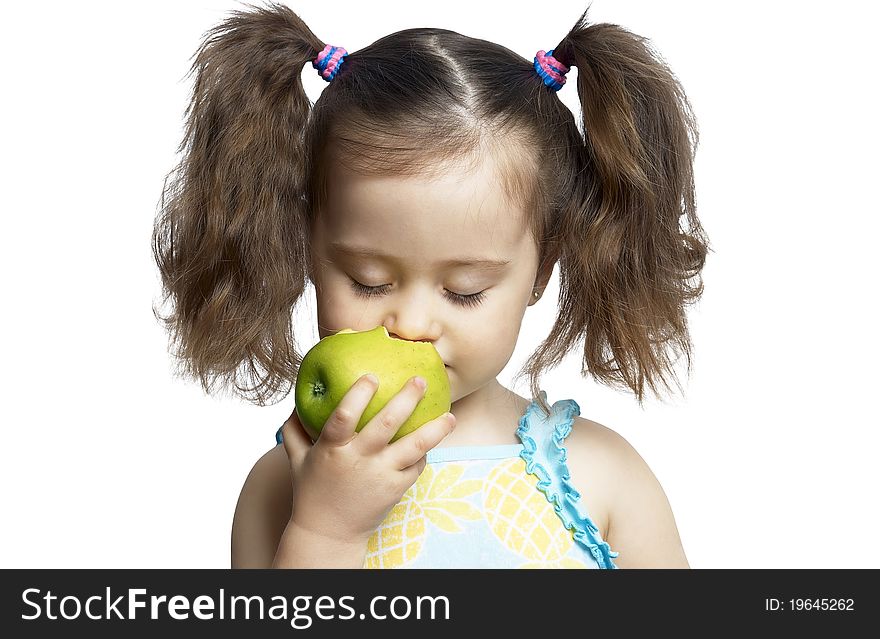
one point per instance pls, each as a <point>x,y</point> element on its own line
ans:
<point>631,510</point>
<point>262,511</point>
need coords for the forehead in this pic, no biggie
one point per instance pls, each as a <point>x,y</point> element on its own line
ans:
<point>461,211</point>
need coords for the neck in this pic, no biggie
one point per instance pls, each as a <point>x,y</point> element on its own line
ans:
<point>489,416</point>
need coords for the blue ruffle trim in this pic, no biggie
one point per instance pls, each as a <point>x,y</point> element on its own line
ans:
<point>552,454</point>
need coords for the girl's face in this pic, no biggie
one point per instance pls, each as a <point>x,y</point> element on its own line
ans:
<point>448,261</point>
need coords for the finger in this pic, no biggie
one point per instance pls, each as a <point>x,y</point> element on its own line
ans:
<point>376,434</point>
<point>340,427</point>
<point>295,439</point>
<point>412,473</point>
<point>407,450</point>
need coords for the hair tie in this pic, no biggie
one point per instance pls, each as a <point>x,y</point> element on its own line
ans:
<point>551,70</point>
<point>329,61</point>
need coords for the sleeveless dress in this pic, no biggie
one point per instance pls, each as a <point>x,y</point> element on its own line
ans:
<point>504,506</point>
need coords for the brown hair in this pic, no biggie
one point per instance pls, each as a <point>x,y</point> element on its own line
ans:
<point>232,237</point>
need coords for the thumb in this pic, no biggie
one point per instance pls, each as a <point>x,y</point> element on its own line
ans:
<point>296,440</point>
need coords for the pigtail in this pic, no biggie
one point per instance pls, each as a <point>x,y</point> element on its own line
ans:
<point>229,241</point>
<point>625,263</point>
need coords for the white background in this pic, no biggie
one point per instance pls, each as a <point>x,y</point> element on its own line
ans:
<point>769,460</point>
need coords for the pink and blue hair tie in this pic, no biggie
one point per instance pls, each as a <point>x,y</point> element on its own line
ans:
<point>551,70</point>
<point>329,61</point>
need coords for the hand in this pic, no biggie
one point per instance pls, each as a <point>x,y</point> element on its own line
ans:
<point>346,483</point>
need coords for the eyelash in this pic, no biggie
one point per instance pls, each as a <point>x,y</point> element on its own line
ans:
<point>462,300</point>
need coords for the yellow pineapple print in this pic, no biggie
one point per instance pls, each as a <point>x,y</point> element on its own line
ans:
<point>523,520</point>
<point>436,496</point>
<point>399,538</point>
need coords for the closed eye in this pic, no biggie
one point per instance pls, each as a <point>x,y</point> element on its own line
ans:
<point>472,300</point>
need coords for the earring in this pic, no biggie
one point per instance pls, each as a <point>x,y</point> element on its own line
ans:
<point>537,295</point>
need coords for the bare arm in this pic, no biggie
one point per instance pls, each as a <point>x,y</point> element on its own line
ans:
<point>262,535</point>
<point>301,548</point>
<point>262,511</point>
<point>641,526</point>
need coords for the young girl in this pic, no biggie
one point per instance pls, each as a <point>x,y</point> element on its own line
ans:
<point>431,190</point>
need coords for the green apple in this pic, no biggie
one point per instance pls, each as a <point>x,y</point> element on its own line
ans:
<point>335,363</point>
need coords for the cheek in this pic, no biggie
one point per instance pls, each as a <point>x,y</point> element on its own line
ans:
<point>338,307</point>
<point>490,335</point>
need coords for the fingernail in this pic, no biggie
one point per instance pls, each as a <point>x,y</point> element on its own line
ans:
<point>371,378</point>
<point>420,382</point>
<point>450,418</point>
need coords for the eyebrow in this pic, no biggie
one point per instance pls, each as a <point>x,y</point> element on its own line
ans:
<point>356,251</point>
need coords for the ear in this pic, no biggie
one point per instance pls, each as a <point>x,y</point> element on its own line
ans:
<point>545,270</point>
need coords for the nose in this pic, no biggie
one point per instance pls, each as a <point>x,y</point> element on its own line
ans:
<point>412,318</point>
